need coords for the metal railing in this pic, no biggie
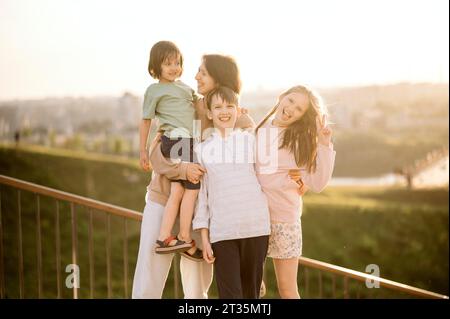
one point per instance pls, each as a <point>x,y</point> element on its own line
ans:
<point>348,274</point>
<point>94,207</point>
<point>73,200</point>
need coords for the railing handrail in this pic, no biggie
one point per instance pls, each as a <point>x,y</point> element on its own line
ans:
<point>95,204</point>
<point>132,214</point>
<point>429,160</point>
<point>363,277</point>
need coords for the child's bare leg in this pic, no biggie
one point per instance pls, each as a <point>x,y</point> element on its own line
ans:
<point>186,213</point>
<point>171,210</point>
<point>286,273</point>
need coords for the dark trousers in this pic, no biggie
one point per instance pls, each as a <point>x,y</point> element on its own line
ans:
<point>239,266</point>
<point>180,148</point>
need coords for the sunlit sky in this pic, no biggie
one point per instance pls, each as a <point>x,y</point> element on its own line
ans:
<point>96,47</point>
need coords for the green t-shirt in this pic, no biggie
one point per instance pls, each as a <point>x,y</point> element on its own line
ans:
<point>172,104</point>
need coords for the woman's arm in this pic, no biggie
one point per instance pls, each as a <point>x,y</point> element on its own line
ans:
<point>163,166</point>
<point>173,170</point>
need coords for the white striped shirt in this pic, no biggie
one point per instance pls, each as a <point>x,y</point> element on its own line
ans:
<point>230,203</point>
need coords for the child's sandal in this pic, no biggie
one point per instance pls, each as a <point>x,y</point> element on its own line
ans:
<point>165,246</point>
<point>196,256</point>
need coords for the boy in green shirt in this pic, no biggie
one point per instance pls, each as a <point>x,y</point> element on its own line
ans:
<point>171,102</point>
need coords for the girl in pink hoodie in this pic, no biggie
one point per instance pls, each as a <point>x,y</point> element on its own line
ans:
<point>293,136</point>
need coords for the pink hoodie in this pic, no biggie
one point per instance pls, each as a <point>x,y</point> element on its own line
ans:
<point>272,167</point>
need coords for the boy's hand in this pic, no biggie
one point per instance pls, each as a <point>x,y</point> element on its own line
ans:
<point>208,254</point>
<point>144,161</point>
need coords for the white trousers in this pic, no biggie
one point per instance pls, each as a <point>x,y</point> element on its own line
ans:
<point>152,269</point>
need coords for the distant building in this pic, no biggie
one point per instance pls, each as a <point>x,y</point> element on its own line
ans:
<point>129,111</point>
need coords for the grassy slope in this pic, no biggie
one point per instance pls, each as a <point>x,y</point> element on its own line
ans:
<point>404,232</point>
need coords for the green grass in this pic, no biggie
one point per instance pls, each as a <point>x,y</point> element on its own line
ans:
<point>404,232</point>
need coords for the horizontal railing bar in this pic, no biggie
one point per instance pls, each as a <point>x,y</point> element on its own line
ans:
<point>98,205</point>
<point>363,277</point>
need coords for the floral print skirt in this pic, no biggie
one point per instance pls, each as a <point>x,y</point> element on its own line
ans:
<point>285,240</point>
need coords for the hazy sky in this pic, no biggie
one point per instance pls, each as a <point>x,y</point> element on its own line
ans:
<point>96,47</point>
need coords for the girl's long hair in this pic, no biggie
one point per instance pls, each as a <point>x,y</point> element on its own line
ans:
<point>300,137</point>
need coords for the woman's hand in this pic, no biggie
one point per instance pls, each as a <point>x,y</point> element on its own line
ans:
<point>194,172</point>
<point>208,254</point>
<point>324,131</point>
<point>296,176</point>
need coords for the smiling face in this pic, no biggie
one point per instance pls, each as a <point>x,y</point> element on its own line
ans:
<point>205,83</point>
<point>170,69</point>
<point>291,108</point>
<point>222,113</point>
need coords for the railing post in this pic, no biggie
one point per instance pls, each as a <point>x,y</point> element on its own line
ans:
<point>125,257</point>
<point>91,257</point>
<point>346,293</point>
<point>108,253</point>
<point>306,283</point>
<point>2,270</point>
<point>320,285</point>
<point>371,293</point>
<point>74,248</point>
<point>39,245</point>
<point>176,264</point>
<point>333,280</point>
<point>58,252</point>
<point>19,238</point>
<point>358,288</point>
